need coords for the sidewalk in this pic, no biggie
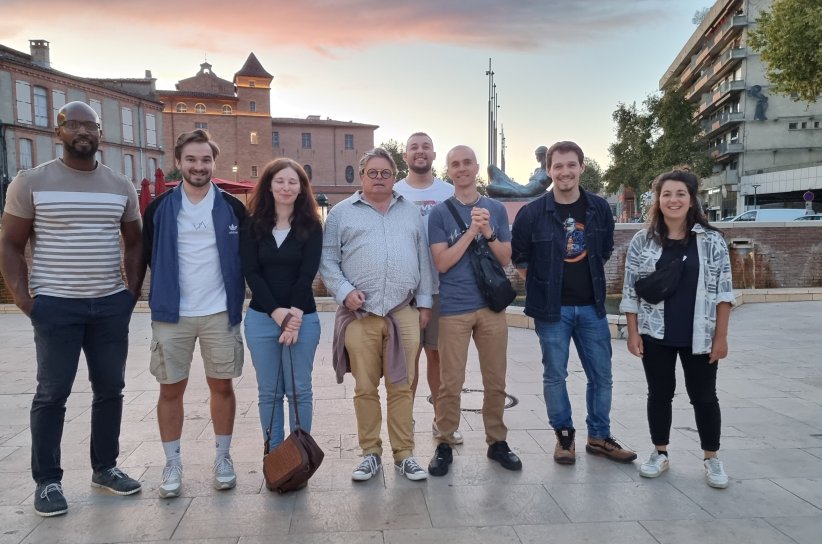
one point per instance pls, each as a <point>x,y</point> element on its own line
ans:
<point>770,393</point>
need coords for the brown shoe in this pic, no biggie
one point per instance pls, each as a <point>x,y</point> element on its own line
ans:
<point>565,451</point>
<point>608,447</point>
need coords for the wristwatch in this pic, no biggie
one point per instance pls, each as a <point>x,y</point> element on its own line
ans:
<point>491,238</point>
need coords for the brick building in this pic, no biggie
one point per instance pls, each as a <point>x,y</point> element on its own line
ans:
<point>31,93</point>
<point>238,116</point>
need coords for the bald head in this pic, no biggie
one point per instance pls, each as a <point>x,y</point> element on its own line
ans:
<point>461,149</point>
<point>78,111</point>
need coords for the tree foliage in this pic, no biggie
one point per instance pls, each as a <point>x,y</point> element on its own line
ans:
<point>788,38</point>
<point>655,138</point>
<point>591,178</point>
<point>397,151</point>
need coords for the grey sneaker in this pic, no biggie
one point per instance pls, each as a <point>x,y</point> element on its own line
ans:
<point>224,475</point>
<point>116,481</point>
<point>412,470</point>
<point>368,467</point>
<point>49,500</point>
<point>172,482</point>
<point>715,473</point>
<point>654,466</point>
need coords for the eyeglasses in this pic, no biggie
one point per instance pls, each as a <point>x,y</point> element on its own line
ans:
<point>90,126</point>
<point>384,174</point>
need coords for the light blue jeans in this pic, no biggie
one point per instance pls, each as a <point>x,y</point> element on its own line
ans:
<point>592,339</point>
<point>271,360</point>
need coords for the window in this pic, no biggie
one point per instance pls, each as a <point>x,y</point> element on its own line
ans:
<point>816,124</point>
<point>253,137</point>
<point>306,140</point>
<point>128,166</point>
<point>58,100</point>
<point>128,125</point>
<point>199,108</point>
<point>253,171</point>
<point>58,151</point>
<point>252,106</point>
<point>99,156</point>
<point>349,141</point>
<point>252,83</point>
<point>227,110</point>
<point>23,91</point>
<point>203,126</point>
<point>804,124</point>
<point>793,126</point>
<point>26,154</point>
<point>41,107</point>
<point>97,106</point>
<point>181,107</point>
<point>152,169</point>
<point>349,174</point>
<point>275,139</point>
<point>151,130</point>
<point>308,171</point>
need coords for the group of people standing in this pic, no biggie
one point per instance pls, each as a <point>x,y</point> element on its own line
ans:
<point>394,255</point>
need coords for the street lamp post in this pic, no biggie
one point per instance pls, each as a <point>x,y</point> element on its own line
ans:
<point>322,202</point>
<point>234,169</point>
<point>755,187</point>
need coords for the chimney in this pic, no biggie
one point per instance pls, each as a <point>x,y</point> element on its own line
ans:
<point>40,53</point>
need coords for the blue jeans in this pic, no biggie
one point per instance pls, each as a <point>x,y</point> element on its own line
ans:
<point>592,339</point>
<point>273,366</point>
<point>63,327</point>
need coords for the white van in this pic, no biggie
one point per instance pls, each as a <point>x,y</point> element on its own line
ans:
<point>777,215</point>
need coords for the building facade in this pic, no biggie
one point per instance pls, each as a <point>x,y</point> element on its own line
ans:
<point>237,114</point>
<point>32,92</point>
<point>767,147</point>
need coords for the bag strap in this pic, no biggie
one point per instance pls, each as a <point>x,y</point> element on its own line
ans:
<point>457,218</point>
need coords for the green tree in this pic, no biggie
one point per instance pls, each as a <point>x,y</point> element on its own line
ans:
<point>789,39</point>
<point>591,178</point>
<point>397,151</point>
<point>679,135</point>
<point>632,152</point>
<point>174,175</point>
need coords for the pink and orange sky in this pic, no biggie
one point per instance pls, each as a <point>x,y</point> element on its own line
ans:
<point>561,65</point>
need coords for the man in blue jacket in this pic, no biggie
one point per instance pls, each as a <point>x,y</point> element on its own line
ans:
<point>561,242</point>
<point>192,244</point>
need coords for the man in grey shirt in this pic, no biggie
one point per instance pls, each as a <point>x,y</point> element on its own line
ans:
<point>375,262</point>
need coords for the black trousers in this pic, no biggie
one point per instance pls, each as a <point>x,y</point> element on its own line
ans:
<point>659,362</point>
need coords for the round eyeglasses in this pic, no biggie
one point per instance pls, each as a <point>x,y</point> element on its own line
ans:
<point>384,174</point>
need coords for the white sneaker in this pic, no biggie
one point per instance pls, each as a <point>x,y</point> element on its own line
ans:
<point>411,469</point>
<point>368,467</point>
<point>654,466</point>
<point>715,473</point>
<point>172,481</point>
<point>436,432</point>
<point>224,476</point>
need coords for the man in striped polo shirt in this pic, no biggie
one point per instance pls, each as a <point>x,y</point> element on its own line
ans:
<point>73,210</point>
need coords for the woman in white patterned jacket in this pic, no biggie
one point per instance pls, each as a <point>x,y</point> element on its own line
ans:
<point>691,322</point>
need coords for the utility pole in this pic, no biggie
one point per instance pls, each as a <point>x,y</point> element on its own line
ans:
<point>502,148</point>
<point>491,112</point>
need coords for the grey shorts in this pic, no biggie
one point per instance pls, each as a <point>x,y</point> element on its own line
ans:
<point>430,335</point>
<point>172,348</point>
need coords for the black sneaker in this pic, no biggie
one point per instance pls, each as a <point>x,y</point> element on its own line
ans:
<point>442,458</point>
<point>49,500</point>
<point>116,481</point>
<point>502,454</point>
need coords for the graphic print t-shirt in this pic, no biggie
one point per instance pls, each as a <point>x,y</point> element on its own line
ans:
<point>577,289</point>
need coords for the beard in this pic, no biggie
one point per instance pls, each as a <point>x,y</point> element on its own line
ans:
<point>420,169</point>
<point>80,153</point>
<point>198,183</point>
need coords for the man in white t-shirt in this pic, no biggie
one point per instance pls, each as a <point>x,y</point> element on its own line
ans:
<point>192,244</point>
<point>426,191</point>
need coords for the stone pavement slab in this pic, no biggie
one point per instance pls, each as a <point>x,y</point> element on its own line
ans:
<point>770,390</point>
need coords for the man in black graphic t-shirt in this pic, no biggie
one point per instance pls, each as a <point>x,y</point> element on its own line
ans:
<point>560,244</point>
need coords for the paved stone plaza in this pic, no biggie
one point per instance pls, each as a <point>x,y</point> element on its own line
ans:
<point>770,393</point>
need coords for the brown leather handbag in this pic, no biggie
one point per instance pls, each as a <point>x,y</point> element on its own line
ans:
<point>293,461</point>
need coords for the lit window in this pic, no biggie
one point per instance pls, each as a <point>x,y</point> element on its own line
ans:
<point>26,154</point>
<point>203,126</point>
<point>306,140</point>
<point>349,141</point>
<point>128,126</point>
<point>253,171</point>
<point>254,140</point>
<point>227,110</point>
<point>181,107</point>
<point>41,107</point>
<point>252,106</point>
<point>199,108</point>
<point>275,139</point>
<point>23,91</point>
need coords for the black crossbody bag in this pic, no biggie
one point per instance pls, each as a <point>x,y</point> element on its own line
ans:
<point>661,284</point>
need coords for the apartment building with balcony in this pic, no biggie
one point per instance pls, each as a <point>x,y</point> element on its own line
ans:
<point>767,148</point>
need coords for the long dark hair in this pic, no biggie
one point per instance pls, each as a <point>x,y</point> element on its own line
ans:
<point>261,204</point>
<point>657,229</point>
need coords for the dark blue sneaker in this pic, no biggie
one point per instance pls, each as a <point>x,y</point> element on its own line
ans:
<point>49,500</point>
<point>116,481</point>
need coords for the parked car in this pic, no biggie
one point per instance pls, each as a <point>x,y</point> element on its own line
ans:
<point>810,217</point>
<point>777,215</point>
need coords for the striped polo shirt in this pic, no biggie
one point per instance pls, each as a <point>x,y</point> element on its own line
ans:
<point>76,238</point>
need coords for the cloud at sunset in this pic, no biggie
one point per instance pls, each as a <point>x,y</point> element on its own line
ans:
<point>330,28</point>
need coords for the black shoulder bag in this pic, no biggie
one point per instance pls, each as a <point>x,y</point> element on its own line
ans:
<point>661,284</point>
<point>494,285</point>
